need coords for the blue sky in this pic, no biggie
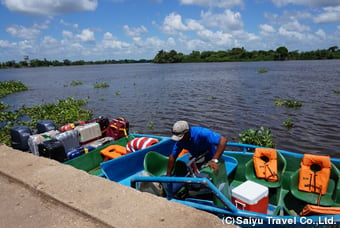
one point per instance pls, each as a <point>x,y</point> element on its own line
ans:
<point>136,29</point>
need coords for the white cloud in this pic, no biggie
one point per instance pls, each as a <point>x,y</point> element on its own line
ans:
<point>49,7</point>
<point>20,31</point>
<point>227,21</point>
<point>217,38</point>
<point>311,3</point>
<point>321,33</point>
<point>49,41</point>
<point>25,44</point>
<point>6,44</point>
<point>67,34</point>
<point>68,24</point>
<point>86,36</point>
<point>135,32</point>
<point>109,41</point>
<point>173,23</point>
<point>331,14</point>
<point>213,3</point>
<point>265,28</point>
<point>295,25</point>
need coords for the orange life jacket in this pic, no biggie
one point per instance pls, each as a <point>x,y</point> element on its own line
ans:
<point>314,173</point>
<point>265,164</point>
<point>318,210</point>
<point>113,151</point>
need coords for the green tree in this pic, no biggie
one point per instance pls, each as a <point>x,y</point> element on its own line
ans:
<point>281,53</point>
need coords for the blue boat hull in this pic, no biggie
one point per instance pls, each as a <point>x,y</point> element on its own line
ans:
<point>128,169</point>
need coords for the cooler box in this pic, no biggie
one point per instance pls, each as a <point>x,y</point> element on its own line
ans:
<point>250,196</point>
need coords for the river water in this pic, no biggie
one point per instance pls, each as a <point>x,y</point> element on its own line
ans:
<point>226,97</point>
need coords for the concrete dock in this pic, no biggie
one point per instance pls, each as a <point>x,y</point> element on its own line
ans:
<point>40,192</point>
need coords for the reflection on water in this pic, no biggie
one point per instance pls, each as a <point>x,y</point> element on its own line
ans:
<point>226,97</point>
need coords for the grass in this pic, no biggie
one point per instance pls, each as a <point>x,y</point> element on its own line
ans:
<point>288,103</point>
<point>336,91</point>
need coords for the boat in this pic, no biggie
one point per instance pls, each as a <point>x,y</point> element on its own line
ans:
<point>237,194</point>
<point>90,162</point>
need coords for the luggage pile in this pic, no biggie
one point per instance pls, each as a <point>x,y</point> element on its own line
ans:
<point>68,141</point>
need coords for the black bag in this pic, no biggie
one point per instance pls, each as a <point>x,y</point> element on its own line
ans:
<point>53,149</point>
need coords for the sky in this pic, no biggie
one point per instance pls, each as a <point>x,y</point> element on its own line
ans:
<point>138,29</point>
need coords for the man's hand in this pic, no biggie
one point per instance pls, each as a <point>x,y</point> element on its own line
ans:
<point>214,166</point>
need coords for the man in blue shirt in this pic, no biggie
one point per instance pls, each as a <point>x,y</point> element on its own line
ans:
<point>198,141</point>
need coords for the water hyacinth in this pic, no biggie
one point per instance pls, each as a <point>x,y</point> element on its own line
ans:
<point>288,103</point>
<point>261,137</point>
<point>8,87</point>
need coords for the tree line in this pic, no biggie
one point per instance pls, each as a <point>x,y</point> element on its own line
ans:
<point>65,62</point>
<point>232,55</point>
<point>240,54</point>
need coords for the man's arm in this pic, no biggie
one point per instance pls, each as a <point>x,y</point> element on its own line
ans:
<point>171,164</point>
<point>220,147</point>
<point>219,151</point>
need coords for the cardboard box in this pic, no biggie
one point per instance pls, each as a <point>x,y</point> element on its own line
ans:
<point>250,196</point>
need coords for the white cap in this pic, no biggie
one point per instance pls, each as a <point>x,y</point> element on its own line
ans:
<point>179,129</point>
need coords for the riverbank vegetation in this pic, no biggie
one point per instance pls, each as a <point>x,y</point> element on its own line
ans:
<point>63,111</point>
<point>240,54</point>
<point>172,56</point>
<point>8,87</point>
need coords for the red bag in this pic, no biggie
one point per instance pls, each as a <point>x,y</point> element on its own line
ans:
<point>71,126</point>
<point>118,128</point>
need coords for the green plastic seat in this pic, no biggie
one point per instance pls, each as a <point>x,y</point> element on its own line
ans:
<point>220,180</point>
<point>156,164</point>
<point>332,196</point>
<point>281,167</point>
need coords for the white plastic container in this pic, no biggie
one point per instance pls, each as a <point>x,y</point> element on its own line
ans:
<point>251,196</point>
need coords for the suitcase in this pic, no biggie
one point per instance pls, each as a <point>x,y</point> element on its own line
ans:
<point>100,142</point>
<point>118,128</point>
<point>80,151</point>
<point>70,139</point>
<point>88,132</point>
<point>19,137</point>
<point>103,123</point>
<point>35,140</point>
<point>53,149</point>
<point>71,126</point>
<point>45,125</point>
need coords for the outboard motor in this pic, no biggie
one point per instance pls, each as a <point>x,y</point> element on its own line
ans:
<point>19,137</point>
<point>45,125</point>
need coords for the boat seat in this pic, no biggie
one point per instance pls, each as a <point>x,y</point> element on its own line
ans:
<point>220,180</point>
<point>156,164</point>
<point>251,173</point>
<point>331,196</point>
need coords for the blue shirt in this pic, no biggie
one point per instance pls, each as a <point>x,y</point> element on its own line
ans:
<point>201,140</point>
